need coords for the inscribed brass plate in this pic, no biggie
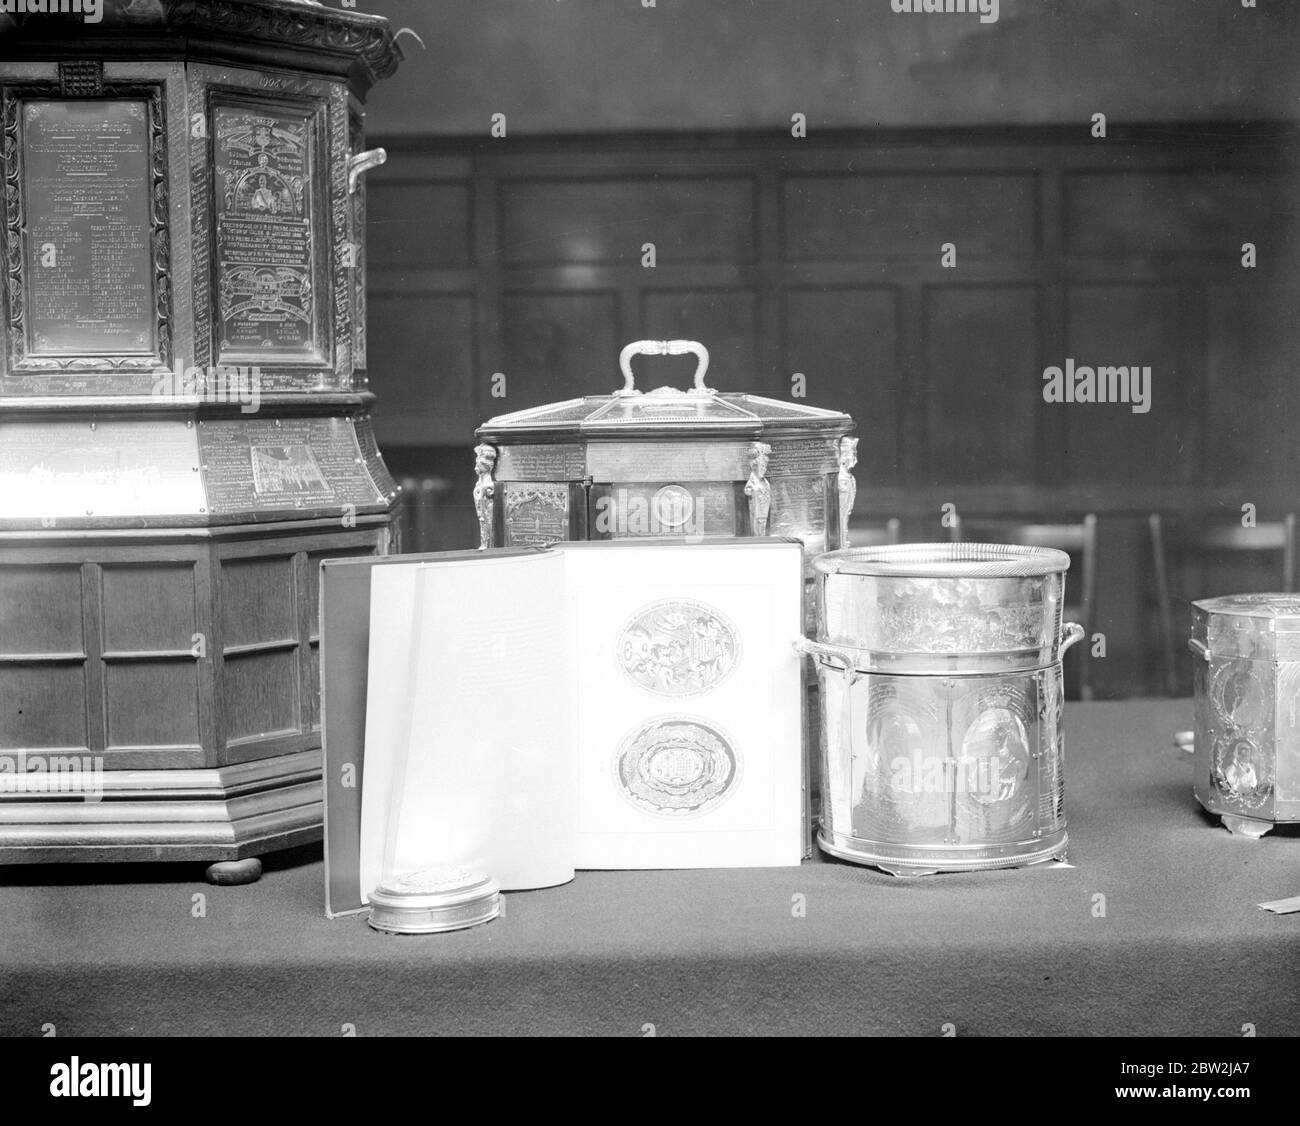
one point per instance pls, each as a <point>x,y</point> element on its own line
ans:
<point>536,515</point>
<point>261,465</point>
<point>803,457</point>
<point>266,245</point>
<point>87,256</point>
<point>60,471</point>
<point>540,463</point>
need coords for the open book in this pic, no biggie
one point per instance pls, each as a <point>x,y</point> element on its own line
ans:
<point>620,705</point>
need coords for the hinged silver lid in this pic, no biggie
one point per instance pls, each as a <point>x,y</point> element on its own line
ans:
<point>666,411</point>
<point>1261,626</point>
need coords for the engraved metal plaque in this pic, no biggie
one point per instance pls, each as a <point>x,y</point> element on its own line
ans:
<point>803,456</point>
<point>55,471</point>
<point>263,465</point>
<point>87,253</point>
<point>668,461</point>
<point>537,515</point>
<point>267,266</point>
<point>541,463</point>
<point>799,509</point>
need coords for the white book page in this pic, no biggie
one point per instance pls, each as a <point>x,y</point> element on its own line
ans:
<point>689,705</point>
<point>486,778</point>
<point>388,710</point>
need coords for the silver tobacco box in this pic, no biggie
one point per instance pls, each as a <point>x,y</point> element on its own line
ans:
<point>1247,696</point>
<point>695,462</point>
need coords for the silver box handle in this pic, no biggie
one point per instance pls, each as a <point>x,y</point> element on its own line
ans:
<point>663,348</point>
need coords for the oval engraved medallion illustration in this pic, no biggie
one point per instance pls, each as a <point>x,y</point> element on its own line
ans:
<point>677,647</point>
<point>676,766</point>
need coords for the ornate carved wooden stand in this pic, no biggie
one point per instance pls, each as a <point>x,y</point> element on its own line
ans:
<point>184,420</point>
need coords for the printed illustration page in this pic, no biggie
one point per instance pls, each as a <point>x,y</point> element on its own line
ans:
<point>486,777</point>
<point>688,705</point>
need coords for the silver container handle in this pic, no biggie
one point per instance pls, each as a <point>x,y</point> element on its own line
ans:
<point>820,649</point>
<point>849,658</point>
<point>1073,633</point>
<point>664,348</point>
<point>1199,648</point>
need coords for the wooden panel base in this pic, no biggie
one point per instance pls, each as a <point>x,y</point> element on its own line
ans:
<point>223,814</point>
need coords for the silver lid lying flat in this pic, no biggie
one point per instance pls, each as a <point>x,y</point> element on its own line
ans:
<point>433,900</point>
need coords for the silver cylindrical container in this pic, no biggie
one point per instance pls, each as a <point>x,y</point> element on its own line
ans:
<point>1247,742</point>
<point>941,691</point>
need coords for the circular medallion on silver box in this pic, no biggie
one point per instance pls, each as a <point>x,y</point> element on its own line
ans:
<point>674,507</point>
<point>677,766</point>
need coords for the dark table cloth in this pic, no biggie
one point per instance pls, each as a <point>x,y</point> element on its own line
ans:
<point>1182,948</point>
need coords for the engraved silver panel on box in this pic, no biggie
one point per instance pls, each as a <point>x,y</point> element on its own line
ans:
<point>537,514</point>
<point>799,510</point>
<point>652,462</point>
<point>541,463</point>
<point>692,508</point>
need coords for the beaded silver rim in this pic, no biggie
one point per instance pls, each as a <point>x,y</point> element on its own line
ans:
<point>945,560</point>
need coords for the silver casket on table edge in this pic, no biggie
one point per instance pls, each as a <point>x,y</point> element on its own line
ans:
<point>1247,743</point>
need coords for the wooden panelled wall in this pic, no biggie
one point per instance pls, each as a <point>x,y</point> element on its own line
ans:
<point>824,257</point>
